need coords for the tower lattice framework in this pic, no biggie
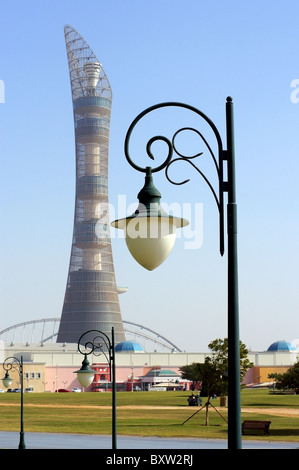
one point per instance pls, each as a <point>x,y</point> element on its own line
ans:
<point>91,297</point>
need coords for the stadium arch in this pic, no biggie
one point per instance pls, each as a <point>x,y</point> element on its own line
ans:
<point>45,330</point>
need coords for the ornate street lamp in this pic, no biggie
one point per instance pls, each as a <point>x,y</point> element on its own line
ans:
<point>150,232</point>
<point>96,342</point>
<point>13,363</point>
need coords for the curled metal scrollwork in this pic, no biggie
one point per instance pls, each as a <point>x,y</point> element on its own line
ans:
<point>169,160</point>
<point>150,154</point>
<point>99,344</point>
<point>191,157</point>
<point>11,363</point>
<point>173,149</point>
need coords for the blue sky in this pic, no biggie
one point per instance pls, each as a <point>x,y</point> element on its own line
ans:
<point>154,51</point>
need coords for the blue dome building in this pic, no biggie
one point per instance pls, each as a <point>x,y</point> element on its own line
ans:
<point>281,346</point>
<point>128,346</point>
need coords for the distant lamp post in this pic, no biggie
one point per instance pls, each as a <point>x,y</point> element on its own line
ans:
<point>97,342</point>
<point>13,363</point>
<point>150,232</point>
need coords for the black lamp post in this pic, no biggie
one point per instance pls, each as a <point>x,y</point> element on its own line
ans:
<point>96,342</point>
<point>150,218</point>
<point>13,363</point>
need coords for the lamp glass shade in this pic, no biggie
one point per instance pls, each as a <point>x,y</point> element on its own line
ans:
<point>154,241</point>
<point>150,239</point>
<point>150,232</point>
<point>85,378</point>
<point>7,381</point>
<point>85,375</point>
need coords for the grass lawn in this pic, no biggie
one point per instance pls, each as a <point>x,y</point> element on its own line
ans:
<point>146,414</point>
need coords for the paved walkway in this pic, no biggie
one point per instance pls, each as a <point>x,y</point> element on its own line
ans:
<point>10,440</point>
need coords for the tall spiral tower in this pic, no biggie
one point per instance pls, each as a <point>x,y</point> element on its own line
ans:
<point>91,297</point>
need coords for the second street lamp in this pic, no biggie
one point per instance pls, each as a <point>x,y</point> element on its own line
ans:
<point>12,363</point>
<point>97,342</point>
<point>151,250</point>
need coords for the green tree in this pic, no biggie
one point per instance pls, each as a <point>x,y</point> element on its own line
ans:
<point>289,380</point>
<point>275,376</point>
<point>213,381</point>
<point>219,348</point>
<point>191,372</point>
<point>213,372</point>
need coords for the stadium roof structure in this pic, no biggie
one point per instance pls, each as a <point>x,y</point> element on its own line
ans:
<point>44,331</point>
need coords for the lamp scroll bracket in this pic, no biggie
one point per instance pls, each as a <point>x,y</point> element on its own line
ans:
<point>169,160</point>
<point>100,344</point>
<point>11,363</point>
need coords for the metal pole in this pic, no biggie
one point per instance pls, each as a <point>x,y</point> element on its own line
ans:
<point>22,441</point>
<point>114,443</point>
<point>234,392</point>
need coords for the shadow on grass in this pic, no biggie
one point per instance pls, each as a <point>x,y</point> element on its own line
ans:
<point>267,405</point>
<point>159,425</point>
<point>284,432</point>
<point>176,430</point>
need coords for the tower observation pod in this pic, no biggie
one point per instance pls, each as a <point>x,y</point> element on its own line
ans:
<point>91,297</point>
